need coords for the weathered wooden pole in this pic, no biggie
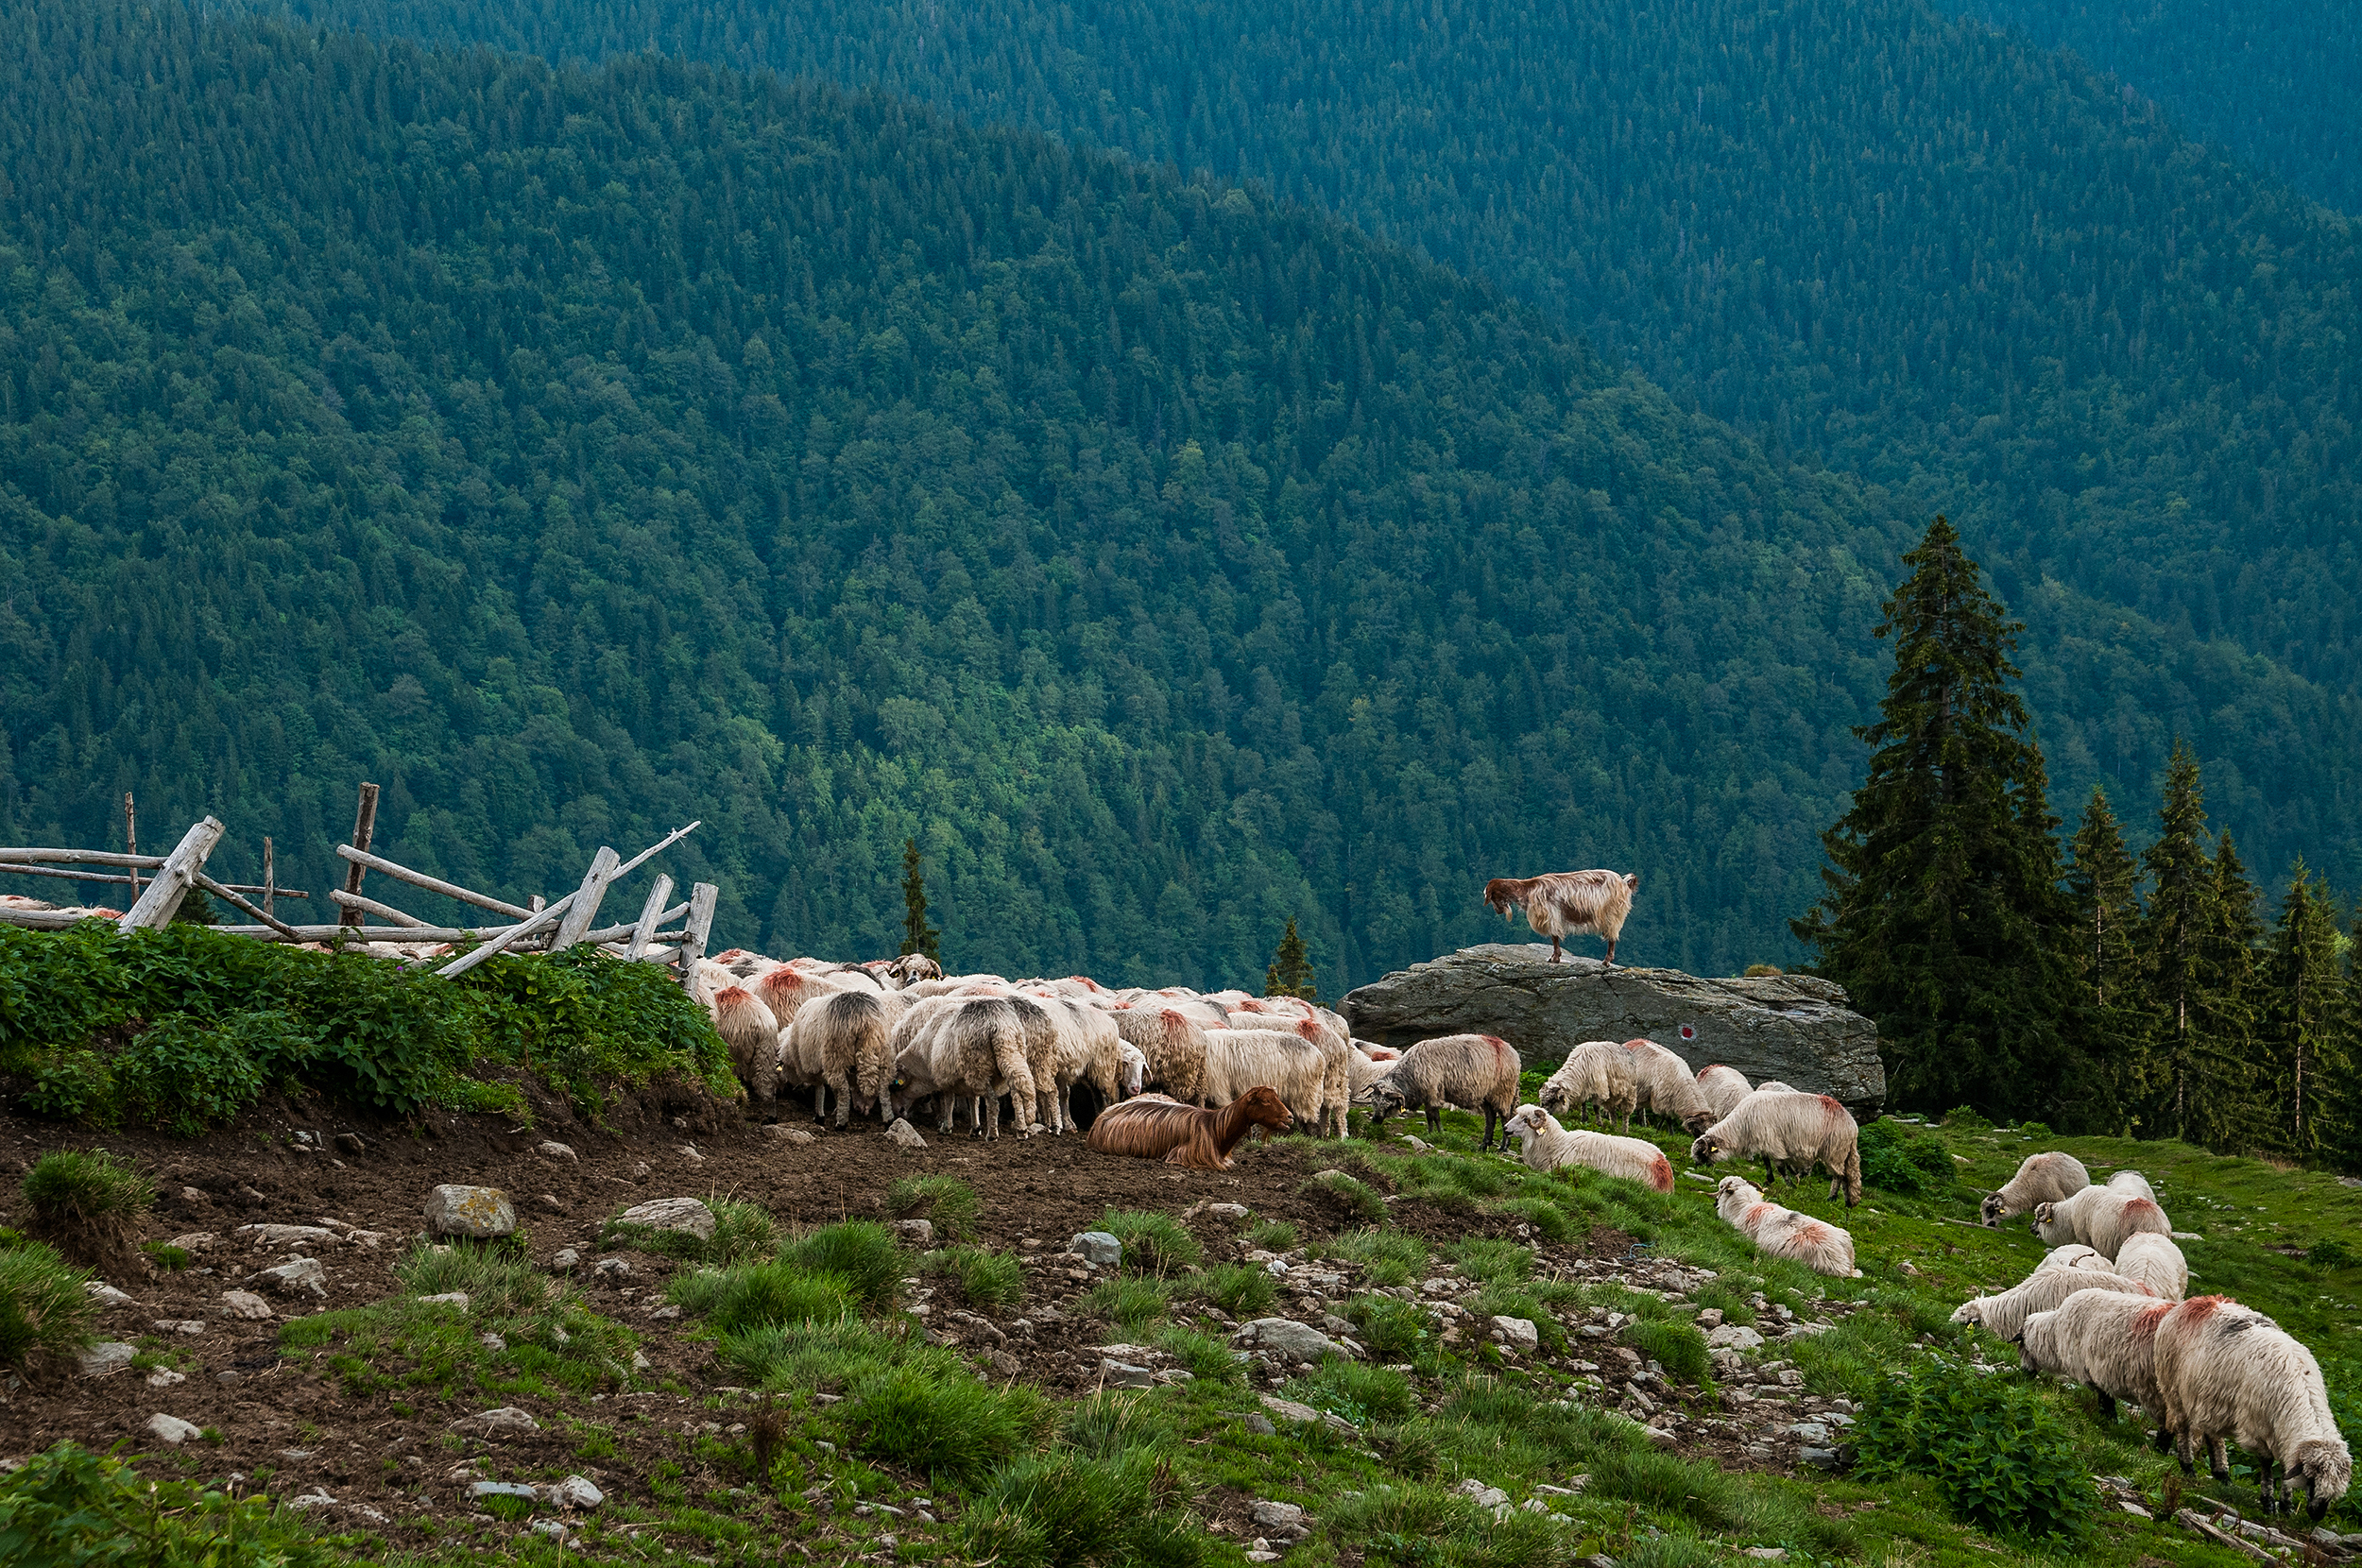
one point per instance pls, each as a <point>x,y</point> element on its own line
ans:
<point>271,879</point>
<point>700,925</point>
<point>162,901</point>
<point>650,912</point>
<point>363,823</point>
<point>131,842</point>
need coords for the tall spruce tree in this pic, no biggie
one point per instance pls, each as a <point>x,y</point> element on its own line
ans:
<point>2305,1015</point>
<point>1943,915</point>
<point>2234,1113</point>
<point>1291,970</point>
<point>918,936</point>
<point>2103,884</point>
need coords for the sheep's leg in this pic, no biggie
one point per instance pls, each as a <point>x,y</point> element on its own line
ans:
<point>2218,1460</point>
<point>843,1083</point>
<point>2107,1401</point>
<point>820,1101</point>
<point>2271,1487</point>
<point>1435,1121</point>
<point>1771,1174</point>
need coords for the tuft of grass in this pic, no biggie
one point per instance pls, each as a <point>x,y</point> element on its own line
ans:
<point>1273,1236</point>
<point>1392,1257</point>
<point>1390,1329</point>
<point>1108,1423</point>
<point>862,1252</point>
<point>1355,1196</point>
<point>994,1281</point>
<point>1153,1243</point>
<point>1241,1289</point>
<point>741,1233</point>
<point>826,1354</point>
<point>1679,1348</point>
<point>1202,1355</point>
<point>1492,1262</point>
<point>1359,1393</point>
<point>45,1313</point>
<point>946,1201</point>
<point>1549,1221</point>
<point>166,1256</point>
<point>495,1279</point>
<point>931,1413</point>
<point>1133,1302</point>
<point>1050,1509</point>
<point>88,1204</point>
<point>761,1295</point>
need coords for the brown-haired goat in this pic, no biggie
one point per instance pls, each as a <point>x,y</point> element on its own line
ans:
<point>1152,1128</point>
<point>1558,904</point>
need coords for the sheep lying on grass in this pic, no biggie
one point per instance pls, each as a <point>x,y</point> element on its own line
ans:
<point>2043,1178</point>
<point>1777,1232</point>
<point>1156,1128</point>
<point>1599,1075</point>
<point>1471,1072</point>
<point>1788,1131</point>
<point>1546,1146</point>
<point>2100,1218</point>
<point>2226,1371</point>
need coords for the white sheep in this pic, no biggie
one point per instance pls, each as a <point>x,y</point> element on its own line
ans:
<point>965,1047</point>
<point>1723,1088</point>
<point>843,1043</point>
<point>2005,1313</point>
<point>753,1036</point>
<point>1792,1131</point>
<point>2133,1182</point>
<point>1544,1145</point>
<point>2105,1339</point>
<point>1666,1086</point>
<point>1135,1069</point>
<point>2226,1371</point>
<point>1291,1064</point>
<point>2076,1256</point>
<point>2043,1178</point>
<point>1175,1048</point>
<point>1597,1074</point>
<point>2100,1218</point>
<point>2156,1262</point>
<point>1783,1233</point>
<point>1472,1072</point>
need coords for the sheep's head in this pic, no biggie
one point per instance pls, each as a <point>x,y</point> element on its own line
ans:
<point>1699,1121</point>
<point>2325,1469</point>
<point>1385,1099</point>
<point>1969,1312</point>
<point>1524,1121</point>
<point>1556,1099</point>
<point>1709,1149</point>
<point>1988,1212</point>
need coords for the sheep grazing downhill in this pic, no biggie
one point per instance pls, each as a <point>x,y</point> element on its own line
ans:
<point>2156,1262</point>
<point>1558,904</point>
<point>1788,1131</point>
<point>2075,1255</point>
<point>1723,1088</point>
<point>1156,1128</point>
<point>969,1049</point>
<point>1663,1083</point>
<point>753,1036</point>
<point>2100,1218</point>
<point>2042,1291</point>
<point>1599,1075</point>
<point>2226,1371</point>
<point>1468,1072</point>
<point>1783,1233</point>
<point>2134,1183</point>
<point>2105,1339</point>
<point>1544,1145</point>
<point>1175,1046</point>
<point>2043,1178</point>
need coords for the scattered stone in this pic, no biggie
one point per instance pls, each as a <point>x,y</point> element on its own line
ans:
<point>1518,1334</point>
<point>273,1237</point>
<point>611,1267</point>
<point>917,1233</point>
<point>1123,1374</point>
<point>229,1375</point>
<point>448,1298</point>
<point>103,1360</point>
<point>470,1211</point>
<point>1284,1521</point>
<point>575,1492</point>
<point>105,1294</point>
<point>1226,1211</point>
<point>1709,1317</point>
<point>493,1342</point>
<point>1098,1248</point>
<point>641,1363</point>
<point>195,1241</point>
<point>1175,1374</point>
<point>502,1488</point>
<point>1811,1432</point>
<point>172,1429</point>
<point>565,1259</point>
<point>294,1276</point>
<point>1419,1146</point>
<point>667,1311</point>
<point>685,1215</point>
<point>197,1197</point>
<point>550,1202</point>
<point>246,1304</point>
<point>251,1197</point>
<point>1733,1337</point>
<point>1258,1425</point>
<point>1766,1554</point>
<point>351,1143</point>
<point>550,1148</point>
<point>1289,1338</point>
<point>164,1377</point>
<point>506,1421</point>
<point>178,1326</point>
<point>1483,1495</point>
<point>689,1152</point>
<point>316,1498</point>
<point>905,1135</point>
<point>779,1132</point>
<point>2131,1506</point>
<point>553,1528</point>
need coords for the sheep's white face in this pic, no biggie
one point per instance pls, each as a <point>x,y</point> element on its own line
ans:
<point>1967,1312</point>
<point>1525,1122</point>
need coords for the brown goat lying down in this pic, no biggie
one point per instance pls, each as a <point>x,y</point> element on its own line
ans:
<point>1152,1127</point>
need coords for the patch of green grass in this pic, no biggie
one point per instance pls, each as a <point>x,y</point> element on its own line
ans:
<point>1110,1423</point>
<point>1153,1243</point>
<point>931,1413</point>
<point>823,1354</point>
<point>1133,1300</point>
<point>1241,1289</point>
<point>87,1204</point>
<point>862,1252</point>
<point>495,1280</point>
<point>1048,1511</point>
<point>993,1281</point>
<point>169,1258</point>
<point>1548,1220</point>
<point>1392,1257</point>
<point>1355,1196</point>
<point>761,1295</point>
<point>1679,1348</point>
<point>1491,1262</point>
<point>45,1314</point>
<point>946,1201</point>
<point>1273,1236</point>
<point>1359,1393</point>
<point>1391,1329</point>
<point>1202,1355</point>
<point>741,1233</point>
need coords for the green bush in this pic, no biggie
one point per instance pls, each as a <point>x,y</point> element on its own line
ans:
<point>44,1312</point>
<point>1153,1243</point>
<point>933,1415</point>
<point>1359,1393</point>
<point>1273,1236</point>
<point>994,1281</point>
<point>862,1252</point>
<point>946,1201</point>
<point>87,1204</point>
<point>2330,1253</point>
<point>1962,1118</point>
<point>1241,1289</point>
<point>1898,1159</point>
<point>71,1509</point>
<point>2000,1459</point>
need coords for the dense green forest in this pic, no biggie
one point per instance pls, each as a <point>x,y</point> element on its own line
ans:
<point>2277,82</point>
<point>1954,263</point>
<point>576,453</point>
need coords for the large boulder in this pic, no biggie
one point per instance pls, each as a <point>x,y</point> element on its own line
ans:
<point>1792,1027</point>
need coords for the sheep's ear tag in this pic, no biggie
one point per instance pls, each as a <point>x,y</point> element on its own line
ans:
<point>1689,1032</point>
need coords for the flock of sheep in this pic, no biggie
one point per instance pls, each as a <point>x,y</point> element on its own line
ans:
<point>2106,1308</point>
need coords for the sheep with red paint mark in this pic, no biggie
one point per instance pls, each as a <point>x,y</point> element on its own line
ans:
<point>1544,1145</point>
<point>1788,1131</point>
<point>2228,1372</point>
<point>1783,1233</point>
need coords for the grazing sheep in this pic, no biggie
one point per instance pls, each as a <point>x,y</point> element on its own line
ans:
<point>1291,1062</point>
<point>2100,1218</point>
<point>2005,1313</point>
<point>1773,1086</point>
<point>1558,904</point>
<point>2106,1339</point>
<point>788,990</point>
<point>1546,1146</point>
<point>1723,1088</point>
<point>1175,1046</point>
<point>2133,1182</point>
<point>1156,1128</point>
<point>970,1047</point>
<point>1472,1072</point>
<point>843,1043</point>
<point>2043,1178</point>
<point>1665,1087</point>
<point>709,978</point>
<point>753,1035</point>
<point>1597,1074</point>
<point>1777,1232</point>
<point>2156,1262</point>
<point>2076,1256</point>
<point>1791,1131</point>
<point>2226,1371</point>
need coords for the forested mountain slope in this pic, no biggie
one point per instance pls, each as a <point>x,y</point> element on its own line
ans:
<point>1955,264</point>
<point>2277,82</point>
<point>577,454</point>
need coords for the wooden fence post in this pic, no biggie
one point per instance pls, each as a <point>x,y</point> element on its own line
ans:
<point>586,904</point>
<point>649,913</point>
<point>162,900</point>
<point>363,823</point>
<point>270,878</point>
<point>700,925</point>
<point>131,842</point>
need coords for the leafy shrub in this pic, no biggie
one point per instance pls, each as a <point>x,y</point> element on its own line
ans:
<point>1962,1119</point>
<point>760,1295</point>
<point>186,1072</point>
<point>44,1312</point>
<point>946,1201</point>
<point>72,1085</point>
<point>862,1252</point>
<point>994,1281</point>
<point>1897,1159</point>
<point>933,1415</point>
<point>2035,1129</point>
<point>1999,1457</point>
<point>1153,1243</point>
<point>1239,1288</point>
<point>77,1509</point>
<point>1679,1348</point>
<point>1355,1196</point>
<point>87,1204</point>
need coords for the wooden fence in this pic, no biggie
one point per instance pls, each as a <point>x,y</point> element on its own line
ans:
<point>538,926</point>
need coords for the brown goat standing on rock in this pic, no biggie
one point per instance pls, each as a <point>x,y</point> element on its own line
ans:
<point>1559,904</point>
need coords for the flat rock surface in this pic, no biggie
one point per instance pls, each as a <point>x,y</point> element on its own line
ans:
<point>1792,1027</point>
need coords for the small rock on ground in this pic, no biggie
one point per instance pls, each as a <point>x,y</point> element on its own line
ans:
<point>905,1135</point>
<point>551,1149</point>
<point>1097,1247</point>
<point>246,1304</point>
<point>172,1429</point>
<point>916,1232</point>
<point>673,1213</point>
<point>470,1211</point>
<point>105,1361</point>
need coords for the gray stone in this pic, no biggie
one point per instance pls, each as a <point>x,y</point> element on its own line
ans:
<point>611,1267</point>
<point>506,1421</point>
<point>246,1304</point>
<point>190,1326</point>
<point>1280,1520</point>
<point>564,1260</point>
<point>779,1132</point>
<point>1097,1247</point>
<point>1483,1495</point>
<point>195,1241</point>
<point>1123,1374</point>
<point>916,1232</point>
<point>172,1429</point>
<point>293,1277</point>
<point>164,1377</point>
<point>276,1237</point>
<point>575,1492</point>
<point>1289,1338</point>
<point>105,1294</point>
<point>479,1212</point>
<point>1810,1432</point>
<point>905,1135</point>
<point>103,1360</point>
<point>1518,1334</point>
<point>1733,1337</point>
<point>448,1298</point>
<point>1257,1423</point>
<point>493,1342</point>
<point>551,1149</point>
<point>502,1488</point>
<point>1226,1211</point>
<point>686,1215</point>
<point>1792,1027</point>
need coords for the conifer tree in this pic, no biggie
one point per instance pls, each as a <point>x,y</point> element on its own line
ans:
<point>2305,1017</point>
<point>1943,915</point>
<point>2103,884</point>
<point>918,936</point>
<point>2232,1113</point>
<point>1291,970</point>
